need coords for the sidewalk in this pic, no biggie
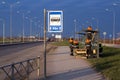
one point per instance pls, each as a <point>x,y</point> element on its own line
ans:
<point>62,66</point>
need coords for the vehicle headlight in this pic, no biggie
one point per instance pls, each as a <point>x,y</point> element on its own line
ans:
<point>94,51</point>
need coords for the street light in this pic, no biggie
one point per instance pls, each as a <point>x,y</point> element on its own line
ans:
<point>104,33</point>
<point>114,21</point>
<point>36,24</point>
<point>3,30</point>
<point>23,28</point>
<point>75,28</point>
<point>30,27</point>
<point>110,38</point>
<point>97,21</point>
<point>40,29</point>
<point>11,9</point>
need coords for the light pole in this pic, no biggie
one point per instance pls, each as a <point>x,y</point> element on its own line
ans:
<point>3,30</point>
<point>23,21</point>
<point>110,38</point>
<point>104,33</point>
<point>75,28</point>
<point>11,9</point>
<point>97,21</point>
<point>36,24</point>
<point>30,30</point>
<point>11,23</point>
<point>23,31</point>
<point>114,22</point>
<point>114,16</point>
<point>23,27</point>
<point>39,30</point>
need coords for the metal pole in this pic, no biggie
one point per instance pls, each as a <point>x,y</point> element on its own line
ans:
<point>30,28</point>
<point>28,70</point>
<point>41,32</point>
<point>75,29</point>
<point>44,43</point>
<point>114,27</point>
<point>98,44</point>
<point>11,23</point>
<point>12,72</point>
<point>104,39</point>
<point>3,31</point>
<point>23,27</point>
<point>39,35</point>
<point>3,35</point>
<point>97,24</point>
<point>38,65</point>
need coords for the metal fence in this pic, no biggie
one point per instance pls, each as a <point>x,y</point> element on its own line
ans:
<point>20,70</point>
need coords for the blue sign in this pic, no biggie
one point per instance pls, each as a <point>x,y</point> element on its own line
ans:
<point>55,21</point>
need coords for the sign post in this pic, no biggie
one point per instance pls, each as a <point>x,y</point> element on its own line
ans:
<point>44,43</point>
<point>55,24</point>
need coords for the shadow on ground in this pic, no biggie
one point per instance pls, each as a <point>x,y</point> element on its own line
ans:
<point>75,75</point>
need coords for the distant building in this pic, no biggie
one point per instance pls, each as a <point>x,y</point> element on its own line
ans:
<point>32,37</point>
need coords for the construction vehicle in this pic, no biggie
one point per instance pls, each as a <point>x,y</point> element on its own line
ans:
<point>90,44</point>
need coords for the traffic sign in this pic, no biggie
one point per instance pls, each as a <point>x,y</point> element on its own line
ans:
<point>55,21</point>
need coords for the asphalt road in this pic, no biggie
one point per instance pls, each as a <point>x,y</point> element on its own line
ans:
<point>10,49</point>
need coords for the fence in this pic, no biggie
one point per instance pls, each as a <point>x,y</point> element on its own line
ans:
<point>20,70</point>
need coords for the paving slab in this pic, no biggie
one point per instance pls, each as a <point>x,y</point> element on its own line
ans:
<point>62,66</point>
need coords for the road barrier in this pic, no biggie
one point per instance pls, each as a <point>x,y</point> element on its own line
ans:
<point>20,70</point>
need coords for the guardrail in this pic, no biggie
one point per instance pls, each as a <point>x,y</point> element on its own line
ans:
<point>20,70</point>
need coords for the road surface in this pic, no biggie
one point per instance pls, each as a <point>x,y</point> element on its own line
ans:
<point>60,65</point>
<point>16,53</point>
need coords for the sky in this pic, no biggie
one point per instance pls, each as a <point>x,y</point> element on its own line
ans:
<point>85,12</point>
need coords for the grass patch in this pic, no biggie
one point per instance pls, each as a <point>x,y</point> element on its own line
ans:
<point>61,43</point>
<point>109,63</point>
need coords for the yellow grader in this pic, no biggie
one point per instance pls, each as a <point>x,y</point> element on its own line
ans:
<point>89,45</point>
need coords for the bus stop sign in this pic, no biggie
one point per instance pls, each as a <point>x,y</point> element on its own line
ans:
<point>55,21</point>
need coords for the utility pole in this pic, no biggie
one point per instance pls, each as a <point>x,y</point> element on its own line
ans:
<point>3,24</point>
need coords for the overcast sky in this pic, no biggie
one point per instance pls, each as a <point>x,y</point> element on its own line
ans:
<point>86,12</point>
